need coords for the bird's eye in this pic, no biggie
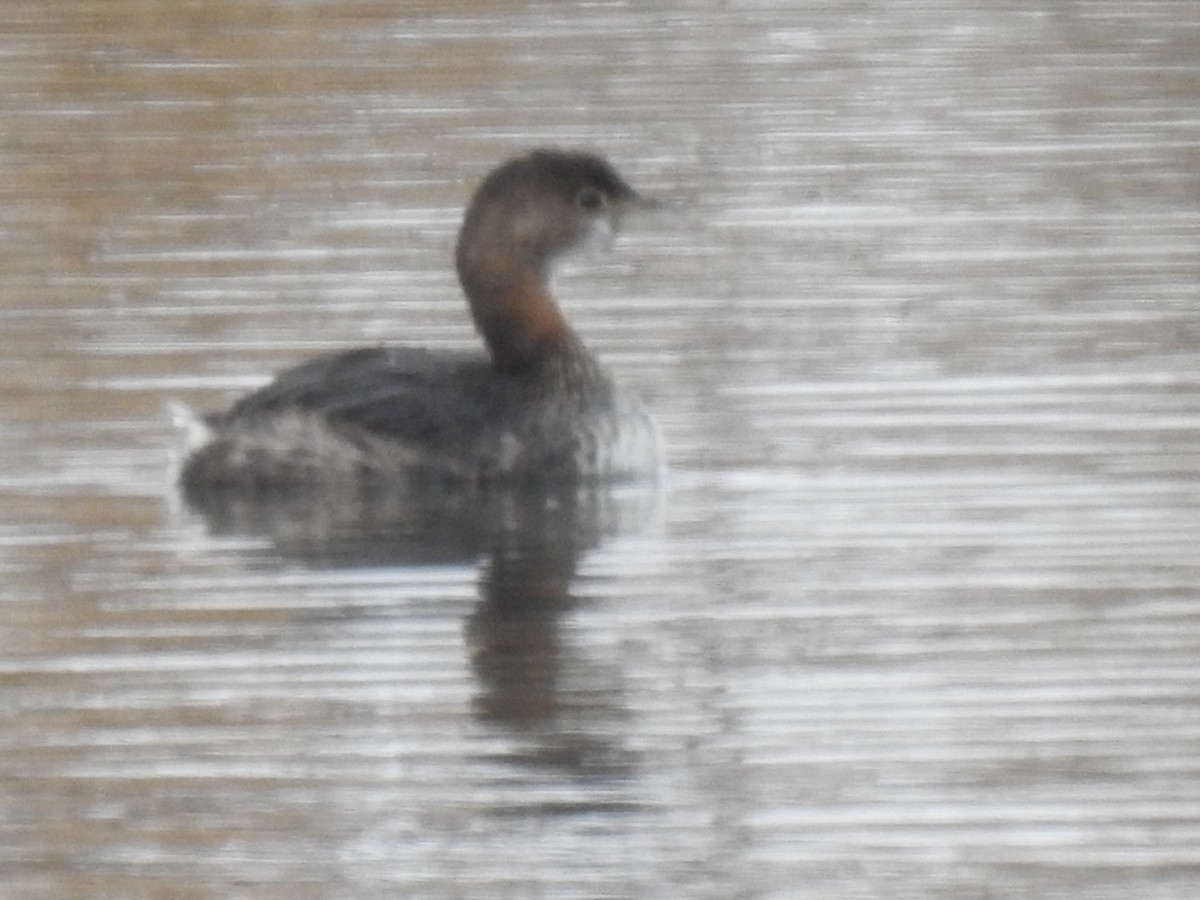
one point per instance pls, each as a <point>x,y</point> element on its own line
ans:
<point>589,199</point>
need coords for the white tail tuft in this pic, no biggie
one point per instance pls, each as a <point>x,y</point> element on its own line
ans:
<point>196,432</point>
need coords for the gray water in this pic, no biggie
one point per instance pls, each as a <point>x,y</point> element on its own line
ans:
<point>917,613</point>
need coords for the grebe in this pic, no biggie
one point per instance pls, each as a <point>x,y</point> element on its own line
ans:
<point>537,408</point>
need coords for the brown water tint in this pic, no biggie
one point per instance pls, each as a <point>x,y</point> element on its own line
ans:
<point>919,612</point>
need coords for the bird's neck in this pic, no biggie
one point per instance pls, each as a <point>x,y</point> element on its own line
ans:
<point>515,312</point>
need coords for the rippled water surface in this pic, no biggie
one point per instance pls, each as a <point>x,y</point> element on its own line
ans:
<point>917,613</point>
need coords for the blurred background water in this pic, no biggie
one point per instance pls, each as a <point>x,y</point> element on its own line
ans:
<point>918,611</point>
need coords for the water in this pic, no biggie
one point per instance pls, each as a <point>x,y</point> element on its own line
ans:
<point>917,613</point>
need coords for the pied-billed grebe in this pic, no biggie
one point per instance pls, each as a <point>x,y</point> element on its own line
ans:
<point>539,407</point>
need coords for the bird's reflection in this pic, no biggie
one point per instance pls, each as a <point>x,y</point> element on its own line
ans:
<point>527,541</point>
